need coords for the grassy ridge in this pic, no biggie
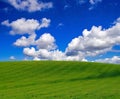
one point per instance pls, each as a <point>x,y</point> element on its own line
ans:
<point>59,80</point>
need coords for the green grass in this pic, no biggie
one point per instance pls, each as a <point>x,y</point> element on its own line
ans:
<point>59,80</point>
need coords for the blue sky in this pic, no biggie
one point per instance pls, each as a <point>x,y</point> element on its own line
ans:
<point>84,30</point>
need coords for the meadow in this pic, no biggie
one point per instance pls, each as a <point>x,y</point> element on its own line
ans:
<point>59,80</point>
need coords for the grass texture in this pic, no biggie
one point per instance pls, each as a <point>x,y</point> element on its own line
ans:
<point>59,80</point>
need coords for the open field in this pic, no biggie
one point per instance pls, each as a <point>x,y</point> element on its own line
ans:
<point>59,80</point>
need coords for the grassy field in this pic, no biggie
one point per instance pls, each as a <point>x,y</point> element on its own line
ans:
<point>59,80</point>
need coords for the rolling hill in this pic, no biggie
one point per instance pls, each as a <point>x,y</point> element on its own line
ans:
<point>59,80</point>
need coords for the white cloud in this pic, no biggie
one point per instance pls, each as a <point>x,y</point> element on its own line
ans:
<point>30,5</point>
<point>44,23</point>
<point>46,41</point>
<point>29,26</point>
<point>23,41</point>
<point>12,58</point>
<point>26,26</point>
<point>46,50</point>
<point>44,54</point>
<point>22,26</point>
<point>50,55</point>
<point>94,42</point>
<point>30,52</point>
<point>74,58</point>
<point>114,59</point>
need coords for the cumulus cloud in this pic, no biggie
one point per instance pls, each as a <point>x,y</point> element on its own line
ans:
<point>47,50</point>
<point>74,58</point>
<point>114,59</point>
<point>30,5</point>
<point>94,42</point>
<point>30,52</point>
<point>43,54</point>
<point>22,26</point>
<point>23,41</point>
<point>26,26</point>
<point>44,23</point>
<point>46,41</point>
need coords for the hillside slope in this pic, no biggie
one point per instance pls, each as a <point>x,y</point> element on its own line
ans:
<point>59,80</point>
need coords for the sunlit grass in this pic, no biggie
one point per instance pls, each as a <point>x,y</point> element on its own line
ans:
<point>59,80</point>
